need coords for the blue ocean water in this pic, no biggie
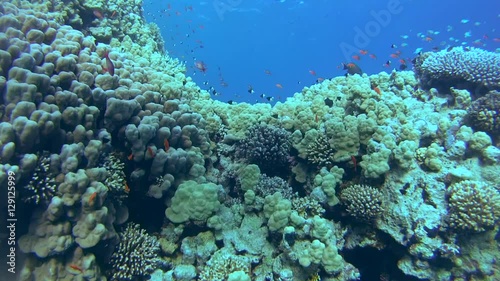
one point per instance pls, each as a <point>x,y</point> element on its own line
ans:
<point>276,48</point>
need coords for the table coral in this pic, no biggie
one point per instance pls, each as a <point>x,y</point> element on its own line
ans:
<point>457,64</point>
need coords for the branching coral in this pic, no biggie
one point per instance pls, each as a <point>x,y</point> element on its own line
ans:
<point>473,206</point>
<point>270,185</point>
<point>41,187</point>
<point>267,146</point>
<point>320,152</point>
<point>363,202</point>
<point>116,179</point>
<point>222,264</point>
<point>136,256</point>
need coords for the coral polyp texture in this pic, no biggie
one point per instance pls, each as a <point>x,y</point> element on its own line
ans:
<point>136,255</point>
<point>484,113</point>
<point>363,202</point>
<point>474,206</point>
<point>265,145</point>
<point>102,131</point>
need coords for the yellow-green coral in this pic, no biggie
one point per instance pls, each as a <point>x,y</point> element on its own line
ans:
<point>474,206</point>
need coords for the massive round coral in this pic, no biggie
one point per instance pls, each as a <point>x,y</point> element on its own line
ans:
<point>473,206</point>
<point>267,146</point>
<point>484,113</point>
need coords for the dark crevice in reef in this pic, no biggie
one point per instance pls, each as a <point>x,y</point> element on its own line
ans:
<point>375,265</point>
<point>148,212</point>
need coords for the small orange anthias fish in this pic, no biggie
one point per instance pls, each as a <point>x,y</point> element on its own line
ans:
<point>130,156</point>
<point>166,144</point>
<point>151,152</point>
<point>354,162</point>
<point>110,67</point>
<point>376,89</point>
<point>279,86</point>
<point>76,267</point>
<point>201,66</point>
<point>312,72</point>
<point>126,187</point>
<point>92,198</point>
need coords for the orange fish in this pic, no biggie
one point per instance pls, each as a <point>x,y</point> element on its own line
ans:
<point>151,152</point>
<point>279,85</point>
<point>76,267</point>
<point>320,79</point>
<point>373,56</point>
<point>131,156</point>
<point>92,198</point>
<point>312,72</point>
<point>126,188</point>
<point>496,40</point>
<point>166,144</point>
<point>356,57</point>
<point>354,162</point>
<point>363,52</point>
<point>428,39</point>
<point>394,56</point>
<point>377,90</point>
<point>113,14</point>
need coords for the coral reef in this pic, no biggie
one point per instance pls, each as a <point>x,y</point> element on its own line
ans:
<point>238,191</point>
<point>136,255</point>
<point>474,206</point>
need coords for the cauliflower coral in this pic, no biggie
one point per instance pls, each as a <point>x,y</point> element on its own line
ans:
<point>473,206</point>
